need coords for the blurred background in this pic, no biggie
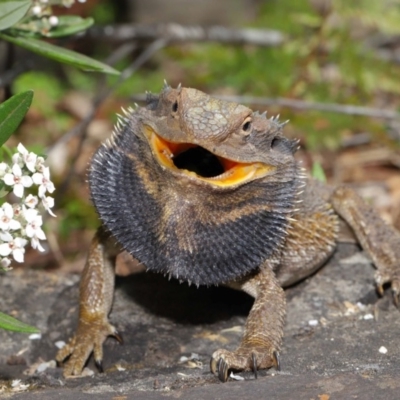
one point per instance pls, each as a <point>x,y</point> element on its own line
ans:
<point>331,67</point>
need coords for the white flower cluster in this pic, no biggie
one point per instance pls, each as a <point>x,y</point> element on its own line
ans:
<point>21,222</point>
<point>42,9</point>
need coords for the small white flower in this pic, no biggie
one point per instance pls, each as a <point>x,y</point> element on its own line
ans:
<point>40,164</point>
<point>6,218</point>
<point>22,149</point>
<point>4,168</point>
<point>37,10</point>
<point>28,158</point>
<point>17,180</point>
<point>17,159</point>
<point>5,236</point>
<point>33,228</point>
<point>31,201</point>
<point>67,3</point>
<point>35,221</point>
<point>17,210</point>
<point>44,182</point>
<point>48,204</point>
<point>14,247</point>
<point>36,244</point>
<point>53,20</point>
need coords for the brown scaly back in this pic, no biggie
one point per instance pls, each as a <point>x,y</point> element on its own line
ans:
<point>200,229</point>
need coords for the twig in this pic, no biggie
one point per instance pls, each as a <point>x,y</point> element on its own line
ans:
<point>304,105</point>
<point>121,52</point>
<point>12,69</point>
<point>179,33</point>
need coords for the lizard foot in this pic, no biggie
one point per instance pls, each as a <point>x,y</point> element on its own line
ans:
<point>88,338</point>
<point>223,361</point>
<point>382,278</point>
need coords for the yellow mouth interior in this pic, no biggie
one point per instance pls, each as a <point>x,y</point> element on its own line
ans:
<point>228,172</point>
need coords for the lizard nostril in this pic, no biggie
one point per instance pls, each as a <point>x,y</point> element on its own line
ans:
<point>275,143</point>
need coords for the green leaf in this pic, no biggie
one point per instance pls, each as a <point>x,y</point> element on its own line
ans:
<point>12,11</point>
<point>3,192</point>
<point>69,25</point>
<point>60,54</point>
<point>12,112</point>
<point>317,172</point>
<point>12,324</point>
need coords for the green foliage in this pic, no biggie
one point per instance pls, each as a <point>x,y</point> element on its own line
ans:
<point>317,172</point>
<point>12,11</point>
<point>105,12</point>
<point>11,324</point>
<point>21,27</point>
<point>80,80</point>
<point>60,54</point>
<point>67,25</point>
<point>49,92</point>
<point>12,112</point>
<point>81,215</point>
<point>48,89</point>
<point>324,59</point>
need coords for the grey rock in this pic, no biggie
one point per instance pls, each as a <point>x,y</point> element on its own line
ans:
<point>331,345</point>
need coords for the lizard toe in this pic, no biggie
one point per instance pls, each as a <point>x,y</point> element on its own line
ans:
<point>223,370</point>
<point>246,359</point>
<point>254,362</point>
<point>277,360</point>
<point>382,279</point>
<point>396,292</point>
<point>89,338</point>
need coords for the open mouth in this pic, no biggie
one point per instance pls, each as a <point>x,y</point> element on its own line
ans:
<point>197,162</point>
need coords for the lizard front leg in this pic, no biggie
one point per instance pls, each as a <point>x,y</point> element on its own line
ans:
<point>380,240</point>
<point>259,348</point>
<point>96,292</point>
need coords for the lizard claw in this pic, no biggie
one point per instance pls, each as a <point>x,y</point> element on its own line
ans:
<point>213,365</point>
<point>118,337</point>
<point>254,362</point>
<point>89,338</point>
<point>396,293</point>
<point>223,370</point>
<point>219,368</point>
<point>277,360</point>
<point>243,359</point>
<point>99,365</point>
<point>382,279</point>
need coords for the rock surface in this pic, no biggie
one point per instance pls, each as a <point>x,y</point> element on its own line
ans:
<point>335,338</point>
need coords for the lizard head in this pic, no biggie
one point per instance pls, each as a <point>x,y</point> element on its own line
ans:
<point>195,187</point>
<point>211,142</point>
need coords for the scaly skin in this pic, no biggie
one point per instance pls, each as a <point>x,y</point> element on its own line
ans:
<point>380,240</point>
<point>96,295</point>
<point>262,339</point>
<point>236,211</point>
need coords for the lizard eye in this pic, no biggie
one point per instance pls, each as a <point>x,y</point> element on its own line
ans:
<point>246,127</point>
<point>175,106</point>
